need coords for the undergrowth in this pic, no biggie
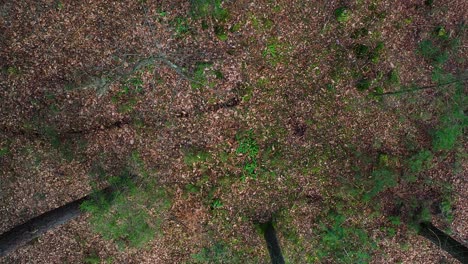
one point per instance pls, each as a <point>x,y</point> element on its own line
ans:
<point>127,97</point>
<point>126,214</point>
<point>342,242</point>
<point>212,14</point>
<point>438,49</point>
<point>248,146</point>
<point>218,253</point>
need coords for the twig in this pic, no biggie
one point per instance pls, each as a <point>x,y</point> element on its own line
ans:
<point>420,88</point>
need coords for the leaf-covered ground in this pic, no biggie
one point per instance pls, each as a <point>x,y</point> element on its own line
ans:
<point>343,121</point>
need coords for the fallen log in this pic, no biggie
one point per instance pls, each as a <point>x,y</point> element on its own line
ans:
<point>22,234</point>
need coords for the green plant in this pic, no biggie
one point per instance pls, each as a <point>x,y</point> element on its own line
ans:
<point>12,71</point>
<point>128,106</point>
<point>275,51</point>
<point>395,220</point>
<point>429,50</point>
<point>193,157</point>
<point>58,142</point>
<point>362,51</point>
<point>364,187</point>
<point>440,77</point>
<point>365,52</point>
<point>342,243</point>
<point>216,204</point>
<point>271,50</point>
<point>211,11</point>
<point>429,3</point>
<point>208,9</point>
<point>452,123</point>
<point>162,13</point>
<point>181,26</point>
<point>220,32</point>
<point>60,5</point>
<point>380,180</point>
<point>446,208</point>
<point>248,146</point>
<point>4,151</point>
<point>200,79</point>
<point>191,188</point>
<point>417,212</point>
<point>126,97</point>
<point>393,78</point>
<point>250,169</point>
<point>420,161</point>
<point>359,33</point>
<point>218,74</point>
<point>92,258</point>
<point>342,14</point>
<point>377,52</point>
<point>138,164</point>
<point>255,22</point>
<point>363,84</point>
<point>235,28</point>
<point>446,137</point>
<point>218,253</point>
<point>423,214</point>
<point>137,84</point>
<point>441,33</point>
<point>453,120</point>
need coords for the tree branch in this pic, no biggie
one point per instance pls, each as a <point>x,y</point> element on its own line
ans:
<point>420,88</point>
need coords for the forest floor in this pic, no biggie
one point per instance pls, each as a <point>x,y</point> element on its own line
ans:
<point>231,113</point>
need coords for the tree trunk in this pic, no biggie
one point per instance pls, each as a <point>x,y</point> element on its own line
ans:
<point>444,241</point>
<point>272,243</point>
